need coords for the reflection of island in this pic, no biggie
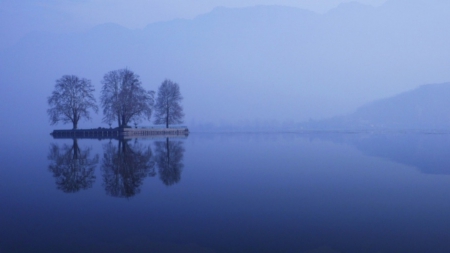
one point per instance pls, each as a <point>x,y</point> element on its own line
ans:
<point>125,166</point>
<point>72,167</point>
<point>169,158</point>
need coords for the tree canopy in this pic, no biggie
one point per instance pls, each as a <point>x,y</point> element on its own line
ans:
<point>167,107</point>
<point>71,100</point>
<point>124,99</point>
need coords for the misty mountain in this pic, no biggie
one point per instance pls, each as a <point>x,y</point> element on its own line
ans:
<point>424,108</point>
<point>262,63</point>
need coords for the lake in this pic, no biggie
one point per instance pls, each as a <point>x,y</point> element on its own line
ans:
<point>228,192</point>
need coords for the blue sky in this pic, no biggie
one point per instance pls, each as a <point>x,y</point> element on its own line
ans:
<point>289,68</point>
<point>18,18</point>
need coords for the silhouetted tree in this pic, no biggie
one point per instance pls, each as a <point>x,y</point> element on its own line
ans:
<point>125,167</point>
<point>124,99</point>
<point>73,168</point>
<point>71,100</point>
<point>168,108</point>
<point>169,158</point>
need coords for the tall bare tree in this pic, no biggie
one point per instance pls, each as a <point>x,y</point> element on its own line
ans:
<point>71,100</point>
<point>168,108</point>
<point>124,99</point>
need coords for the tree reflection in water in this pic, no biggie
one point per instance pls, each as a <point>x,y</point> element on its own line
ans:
<point>125,166</point>
<point>169,157</point>
<point>72,167</point>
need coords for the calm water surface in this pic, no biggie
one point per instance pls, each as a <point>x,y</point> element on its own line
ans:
<point>321,193</point>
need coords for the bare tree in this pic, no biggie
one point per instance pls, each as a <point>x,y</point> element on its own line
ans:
<point>168,108</point>
<point>71,100</point>
<point>124,99</point>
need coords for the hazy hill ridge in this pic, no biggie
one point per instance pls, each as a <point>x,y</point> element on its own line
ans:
<point>264,62</point>
<point>424,108</point>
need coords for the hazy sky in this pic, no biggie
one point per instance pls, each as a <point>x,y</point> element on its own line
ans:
<point>18,18</point>
<point>271,63</point>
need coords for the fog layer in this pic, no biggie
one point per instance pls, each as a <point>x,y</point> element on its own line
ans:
<point>234,66</point>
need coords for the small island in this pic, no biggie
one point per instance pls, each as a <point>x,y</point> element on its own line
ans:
<point>126,133</point>
<point>123,100</point>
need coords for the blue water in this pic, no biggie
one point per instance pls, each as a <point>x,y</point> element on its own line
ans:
<point>321,193</point>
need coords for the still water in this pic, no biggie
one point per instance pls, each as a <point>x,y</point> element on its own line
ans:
<point>307,193</point>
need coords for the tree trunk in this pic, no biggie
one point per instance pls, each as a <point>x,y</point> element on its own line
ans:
<point>123,121</point>
<point>75,119</point>
<point>167,117</point>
